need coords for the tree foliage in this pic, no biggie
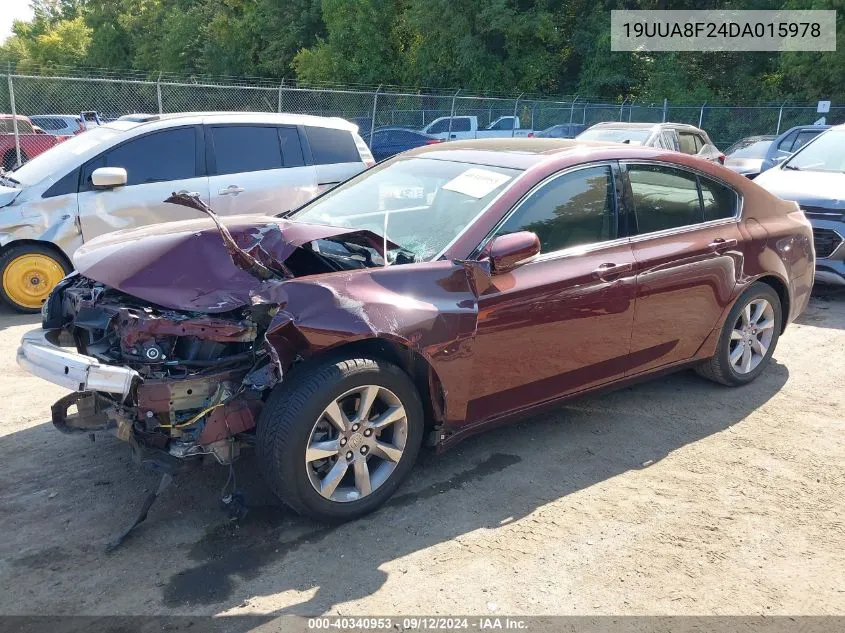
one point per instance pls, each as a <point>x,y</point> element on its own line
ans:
<point>534,46</point>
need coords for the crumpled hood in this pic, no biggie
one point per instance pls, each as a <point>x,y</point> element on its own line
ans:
<point>186,266</point>
<point>8,195</point>
<point>807,188</point>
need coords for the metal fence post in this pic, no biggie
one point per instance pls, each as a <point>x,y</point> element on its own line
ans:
<point>515,109</point>
<point>14,117</point>
<point>452,113</point>
<point>665,108</point>
<point>701,115</point>
<point>571,111</point>
<point>158,94</point>
<point>373,119</point>
<point>281,90</point>
<point>780,116</point>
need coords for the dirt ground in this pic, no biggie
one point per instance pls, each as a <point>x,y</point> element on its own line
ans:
<point>676,496</point>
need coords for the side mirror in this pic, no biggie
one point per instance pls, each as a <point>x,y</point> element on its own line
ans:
<point>506,252</point>
<point>109,177</point>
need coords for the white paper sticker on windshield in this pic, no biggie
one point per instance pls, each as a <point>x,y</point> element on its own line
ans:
<point>476,182</point>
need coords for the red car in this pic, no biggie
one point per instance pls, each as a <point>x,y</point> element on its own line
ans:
<point>33,140</point>
<point>437,294</point>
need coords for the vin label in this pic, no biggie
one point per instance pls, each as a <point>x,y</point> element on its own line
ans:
<point>805,30</point>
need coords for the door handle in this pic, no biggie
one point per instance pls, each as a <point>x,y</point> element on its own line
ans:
<point>721,244</point>
<point>185,192</point>
<point>231,190</point>
<point>610,270</point>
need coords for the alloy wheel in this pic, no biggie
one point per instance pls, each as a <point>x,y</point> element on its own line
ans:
<point>751,336</point>
<point>356,443</point>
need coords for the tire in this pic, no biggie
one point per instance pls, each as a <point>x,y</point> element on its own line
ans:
<point>28,273</point>
<point>720,368</point>
<point>294,417</point>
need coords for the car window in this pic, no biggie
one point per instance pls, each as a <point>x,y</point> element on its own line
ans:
<point>720,201</point>
<point>664,198</point>
<point>699,143</point>
<point>461,124</point>
<point>24,127</point>
<point>573,209</point>
<point>50,123</point>
<point>330,146</point>
<point>826,152</point>
<point>687,142</point>
<point>158,157</point>
<point>502,124</point>
<point>802,138</point>
<point>245,148</point>
<point>786,144</point>
<point>669,140</point>
<point>291,147</point>
<point>439,126</point>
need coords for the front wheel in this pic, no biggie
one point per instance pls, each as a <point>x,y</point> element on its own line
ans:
<point>335,440</point>
<point>748,338</point>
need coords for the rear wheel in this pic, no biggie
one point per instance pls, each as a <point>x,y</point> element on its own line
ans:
<point>336,440</point>
<point>29,273</point>
<point>748,338</point>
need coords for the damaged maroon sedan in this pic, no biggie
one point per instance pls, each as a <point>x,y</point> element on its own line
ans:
<point>439,293</point>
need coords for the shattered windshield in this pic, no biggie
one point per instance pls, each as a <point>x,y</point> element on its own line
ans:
<point>424,202</point>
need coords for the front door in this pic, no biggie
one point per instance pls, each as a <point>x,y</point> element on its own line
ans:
<point>561,323</point>
<point>686,243</point>
<point>156,164</point>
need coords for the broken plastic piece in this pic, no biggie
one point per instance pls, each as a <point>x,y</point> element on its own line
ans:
<point>164,484</point>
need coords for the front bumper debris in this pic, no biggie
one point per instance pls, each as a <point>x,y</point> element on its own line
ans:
<point>41,355</point>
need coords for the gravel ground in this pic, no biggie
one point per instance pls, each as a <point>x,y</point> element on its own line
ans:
<point>676,496</point>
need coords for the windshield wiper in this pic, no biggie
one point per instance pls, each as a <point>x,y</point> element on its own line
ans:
<point>7,178</point>
<point>792,167</point>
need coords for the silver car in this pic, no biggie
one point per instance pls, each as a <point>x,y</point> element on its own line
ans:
<point>118,175</point>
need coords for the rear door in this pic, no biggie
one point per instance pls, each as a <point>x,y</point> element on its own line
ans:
<point>686,244</point>
<point>334,154</point>
<point>156,164</point>
<point>258,169</point>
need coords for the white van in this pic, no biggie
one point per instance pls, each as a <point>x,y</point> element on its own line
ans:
<point>117,176</point>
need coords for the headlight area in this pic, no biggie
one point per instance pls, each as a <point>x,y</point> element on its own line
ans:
<point>175,385</point>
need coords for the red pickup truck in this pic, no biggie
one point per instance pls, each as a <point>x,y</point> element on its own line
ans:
<point>33,140</point>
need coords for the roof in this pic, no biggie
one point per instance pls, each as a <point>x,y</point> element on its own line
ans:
<point>626,125</point>
<point>240,117</point>
<point>515,153</point>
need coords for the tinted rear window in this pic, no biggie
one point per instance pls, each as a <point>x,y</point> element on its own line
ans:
<point>329,146</point>
<point>243,148</point>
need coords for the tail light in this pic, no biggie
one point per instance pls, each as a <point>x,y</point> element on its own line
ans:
<point>434,141</point>
<point>531,135</point>
<point>80,127</point>
<point>721,159</point>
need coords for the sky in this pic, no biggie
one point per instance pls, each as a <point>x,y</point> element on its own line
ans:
<point>11,10</point>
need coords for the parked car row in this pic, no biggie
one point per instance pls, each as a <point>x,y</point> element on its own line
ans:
<point>398,305</point>
<point>753,155</point>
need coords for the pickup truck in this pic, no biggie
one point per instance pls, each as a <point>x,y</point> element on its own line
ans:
<point>464,127</point>
<point>33,140</point>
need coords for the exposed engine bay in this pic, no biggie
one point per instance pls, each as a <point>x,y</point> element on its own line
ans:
<point>200,378</point>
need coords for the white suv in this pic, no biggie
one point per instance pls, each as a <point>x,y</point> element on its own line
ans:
<point>118,175</point>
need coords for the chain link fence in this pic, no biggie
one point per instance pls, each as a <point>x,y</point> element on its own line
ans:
<point>37,93</point>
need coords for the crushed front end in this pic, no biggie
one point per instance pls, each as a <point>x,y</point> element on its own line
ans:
<point>173,384</point>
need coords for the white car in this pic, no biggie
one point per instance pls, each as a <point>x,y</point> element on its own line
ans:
<point>466,127</point>
<point>117,176</point>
